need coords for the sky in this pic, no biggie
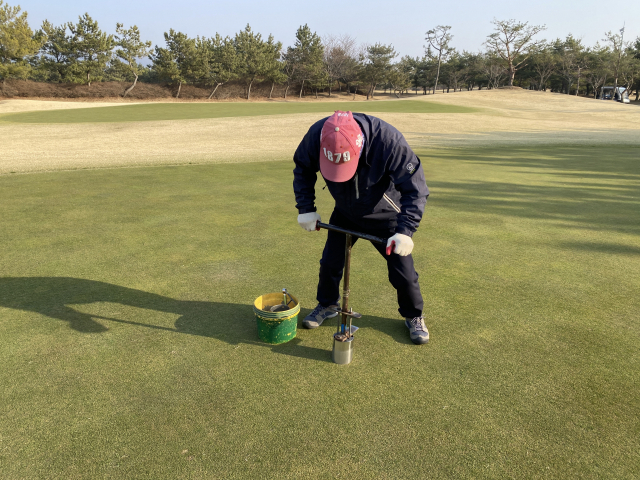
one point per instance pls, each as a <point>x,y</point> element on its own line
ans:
<point>401,24</point>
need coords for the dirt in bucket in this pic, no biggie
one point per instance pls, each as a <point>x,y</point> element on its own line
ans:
<point>275,308</point>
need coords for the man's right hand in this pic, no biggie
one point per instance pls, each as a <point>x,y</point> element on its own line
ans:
<point>309,220</point>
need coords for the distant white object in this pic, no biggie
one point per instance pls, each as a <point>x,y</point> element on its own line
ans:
<point>620,95</point>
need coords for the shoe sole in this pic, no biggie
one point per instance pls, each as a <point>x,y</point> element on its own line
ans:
<point>306,324</point>
<point>420,341</point>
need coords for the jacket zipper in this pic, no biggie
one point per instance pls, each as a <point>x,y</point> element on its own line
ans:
<point>357,192</point>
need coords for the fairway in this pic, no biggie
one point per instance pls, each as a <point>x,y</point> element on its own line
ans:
<point>494,118</point>
<point>130,349</point>
<point>193,111</point>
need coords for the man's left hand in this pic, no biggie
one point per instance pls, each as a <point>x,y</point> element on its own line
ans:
<point>404,244</point>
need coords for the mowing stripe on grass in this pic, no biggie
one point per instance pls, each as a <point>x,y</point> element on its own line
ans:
<point>190,111</point>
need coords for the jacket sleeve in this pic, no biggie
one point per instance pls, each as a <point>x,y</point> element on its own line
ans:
<point>307,165</point>
<point>405,170</point>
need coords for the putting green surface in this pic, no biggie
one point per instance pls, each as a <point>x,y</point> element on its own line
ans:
<point>129,347</point>
<point>184,111</point>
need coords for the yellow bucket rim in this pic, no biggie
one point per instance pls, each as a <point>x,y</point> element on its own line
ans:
<point>273,299</point>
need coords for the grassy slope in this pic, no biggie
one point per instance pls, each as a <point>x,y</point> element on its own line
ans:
<point>143,360</point>
<point>183,111</point>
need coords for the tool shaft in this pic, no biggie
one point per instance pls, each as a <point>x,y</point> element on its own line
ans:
<point>345,283</point>
<point>365,236</point>
<point>344,327</point>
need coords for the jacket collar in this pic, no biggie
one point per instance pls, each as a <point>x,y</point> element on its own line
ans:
<point>362,120</point>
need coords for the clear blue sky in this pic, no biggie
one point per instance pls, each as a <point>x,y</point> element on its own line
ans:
<point>401,24</point>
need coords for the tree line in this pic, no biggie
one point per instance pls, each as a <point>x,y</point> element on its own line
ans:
<point>512,55</point>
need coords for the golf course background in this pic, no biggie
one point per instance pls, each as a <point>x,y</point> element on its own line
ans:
<point>130,348</point>
<point>191,111</point>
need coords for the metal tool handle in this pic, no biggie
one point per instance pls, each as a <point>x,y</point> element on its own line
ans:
<point>285,294</point>
<point>364,236</point>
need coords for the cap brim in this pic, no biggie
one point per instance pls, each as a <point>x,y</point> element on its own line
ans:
<point>341,172</point>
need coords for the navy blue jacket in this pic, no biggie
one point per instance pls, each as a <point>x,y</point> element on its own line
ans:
<point>388,190</point>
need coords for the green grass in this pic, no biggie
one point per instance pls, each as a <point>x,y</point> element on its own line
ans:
<point>184,111</point>
<point>129,347</point>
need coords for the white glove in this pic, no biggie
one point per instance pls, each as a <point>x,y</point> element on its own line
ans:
<point>308,220</point>
<point>404,244</point>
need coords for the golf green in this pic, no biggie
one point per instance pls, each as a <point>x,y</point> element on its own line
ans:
<point>184,111</point>
<point>130,350</point>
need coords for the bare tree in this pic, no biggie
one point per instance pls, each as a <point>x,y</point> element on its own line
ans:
<point>438,38</point>
<point>545,64</point>
<point>513,42</point>
<point>601,59</point>
<point>289,68</point>
<point>353,67</point>
<point>493,69</point>
<point>571,60</point>
<point>634,52</point>
<point>630,72</point>
<point>582,63</point>
<point>617,43</point>
<point>339,52</point>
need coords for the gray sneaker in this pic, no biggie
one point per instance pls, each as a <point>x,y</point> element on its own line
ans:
<point>417,330</point>
<point>319,315</point>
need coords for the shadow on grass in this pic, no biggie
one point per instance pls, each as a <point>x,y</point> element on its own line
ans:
<point>233,323</point>
<point>600,247</point>
<point>589,162</point>
<point>575,187</point>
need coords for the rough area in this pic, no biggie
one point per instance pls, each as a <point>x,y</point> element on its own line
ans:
<point>506,117</point>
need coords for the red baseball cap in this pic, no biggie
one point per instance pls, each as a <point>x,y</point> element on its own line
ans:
<point>341,142</point>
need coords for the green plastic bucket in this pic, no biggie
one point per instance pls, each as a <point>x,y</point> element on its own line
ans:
<point>276,327</point>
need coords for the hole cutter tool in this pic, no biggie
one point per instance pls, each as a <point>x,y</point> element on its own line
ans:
<point>343,339</point>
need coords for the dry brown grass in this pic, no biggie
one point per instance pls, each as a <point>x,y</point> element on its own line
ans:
<point>32,105</point>
<point>506,117</point>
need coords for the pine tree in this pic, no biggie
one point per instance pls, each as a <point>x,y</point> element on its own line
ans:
<point>164,65</point>
<point>17,43</point>
<point>216,61</point>
<point>131,48</point>
<point>91,49</point>
<point>178,63</point>
<point>56,57</point>
<point>306,57</point>
<point>274,68</point>
<point>256,58</point>
<point>439,39</point>
<point>377,65</point>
